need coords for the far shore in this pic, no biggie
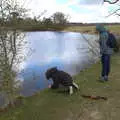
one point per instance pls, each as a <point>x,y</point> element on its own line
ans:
<point>89,29</point>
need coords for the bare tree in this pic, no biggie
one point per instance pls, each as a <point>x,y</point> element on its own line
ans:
<point>10,9</point>
<point>12,44</point>
<point>92,48</point>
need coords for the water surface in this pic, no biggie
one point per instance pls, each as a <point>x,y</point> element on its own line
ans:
<point>66,50</point>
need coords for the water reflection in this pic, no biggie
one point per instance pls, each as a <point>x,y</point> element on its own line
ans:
<point>51,49</point>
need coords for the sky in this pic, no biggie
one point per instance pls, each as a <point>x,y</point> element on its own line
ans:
<point>85,11</point>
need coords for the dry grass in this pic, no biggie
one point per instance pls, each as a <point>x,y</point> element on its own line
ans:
<point>91,29</point>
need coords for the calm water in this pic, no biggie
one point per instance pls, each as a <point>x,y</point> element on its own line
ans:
<point>66,50</point>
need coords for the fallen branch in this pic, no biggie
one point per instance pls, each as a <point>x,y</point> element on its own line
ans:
<point>94,97</point>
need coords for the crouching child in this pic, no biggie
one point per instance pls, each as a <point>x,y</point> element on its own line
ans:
<point>61,78</point>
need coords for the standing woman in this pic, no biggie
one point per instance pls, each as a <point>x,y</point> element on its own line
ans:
<point>105,52</point>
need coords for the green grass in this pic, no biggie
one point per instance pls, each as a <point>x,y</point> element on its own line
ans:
<point>51,105</point>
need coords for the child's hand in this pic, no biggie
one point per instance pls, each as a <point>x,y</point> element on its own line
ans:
<point>49,86</point>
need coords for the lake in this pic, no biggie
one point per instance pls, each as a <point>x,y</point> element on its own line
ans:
<point>68,51</point>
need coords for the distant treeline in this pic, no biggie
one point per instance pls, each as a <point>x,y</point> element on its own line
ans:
<point>90,24</point>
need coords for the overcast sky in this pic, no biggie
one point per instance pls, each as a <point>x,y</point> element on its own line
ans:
<point>78,10</point>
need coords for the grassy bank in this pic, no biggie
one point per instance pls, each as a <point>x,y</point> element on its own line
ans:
<point>51,105</point>
<point>91,29</point>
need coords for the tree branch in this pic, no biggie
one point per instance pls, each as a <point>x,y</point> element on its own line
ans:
<point>111,2</point>
<point>5,50</point>
<point>118,14</point>
<point>115,12</point>
<point>91,47</point>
